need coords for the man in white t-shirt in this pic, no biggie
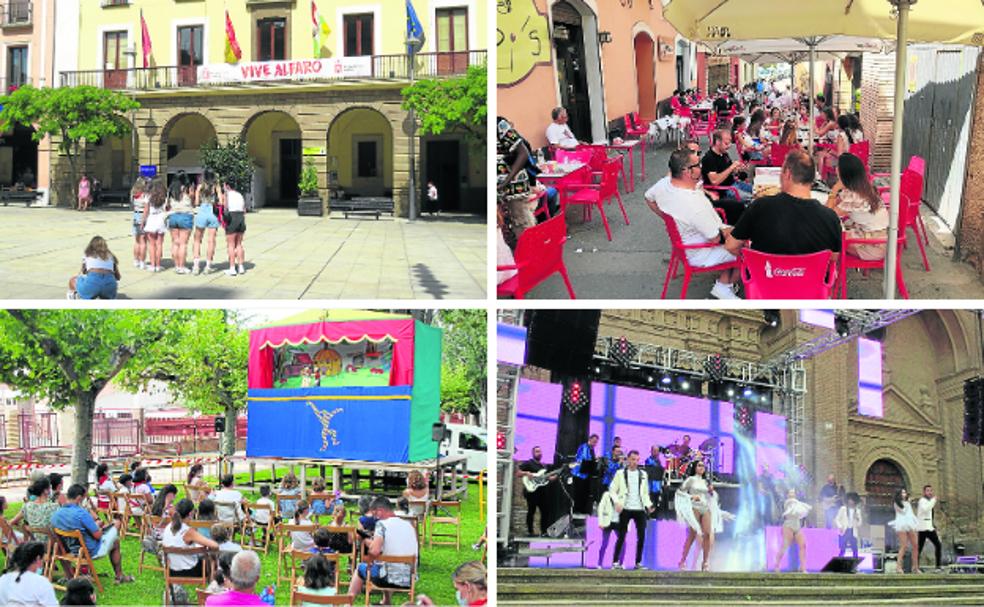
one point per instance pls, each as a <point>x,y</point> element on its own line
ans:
<point>630,494</point>
<point>228,501</point>
<point>679,197</point>
<point>924,514</point>
<point>558,133</point>
<point>393,536</point>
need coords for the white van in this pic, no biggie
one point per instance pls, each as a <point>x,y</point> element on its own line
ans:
<point>469,441</point>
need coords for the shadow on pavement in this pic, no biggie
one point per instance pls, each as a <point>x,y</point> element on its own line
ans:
<point>425,278</point>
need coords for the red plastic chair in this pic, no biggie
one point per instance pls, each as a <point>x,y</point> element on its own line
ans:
<point>539,254</point>
<point>596,194</point>
<point>634,126</point>
<point>918,166</point>
<point>735,194</point>
<point>850,262</point>
<point>678,257</point>
<point>768,276</point>
<point>542,207</point>
<point>862,150</point>
<point>702,125</point>
<point>778,153</point>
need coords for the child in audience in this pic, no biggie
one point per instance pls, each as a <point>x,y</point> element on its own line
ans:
<point>302,540</point>
<point>288,486</point>
<point>318,506</point>
<point>206,512</point>
<point>220,578</point>
<point>220,535</point>
<point>319,578</point>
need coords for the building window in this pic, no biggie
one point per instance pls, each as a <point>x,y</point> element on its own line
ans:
<point>452,29</point>
<point>368,166</point>
<point>16,67</point>
<point>114,59</point>
<point>271,39</point>
<point>190,53</point>
<point>358,35</point>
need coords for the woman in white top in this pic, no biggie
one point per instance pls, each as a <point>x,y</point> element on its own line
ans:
<point>695,504</point>
<point>22,584</point>
<point>235,228</point>
<point>855,200</point>
<point>181,220</point>
<point>848,133</point>
<point>100,275</point>
<point>302,541</point>
<point>152,224</point>
<point>793,512</point>
<point>179,535</point>
<point>138,198</point>
<point>906,528</point>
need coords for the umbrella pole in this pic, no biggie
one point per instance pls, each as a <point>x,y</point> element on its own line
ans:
<point>813,51</point>
<point>895,171</point>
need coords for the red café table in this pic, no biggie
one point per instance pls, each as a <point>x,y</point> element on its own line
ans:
<point>630,146</point>
<point>552,174</point>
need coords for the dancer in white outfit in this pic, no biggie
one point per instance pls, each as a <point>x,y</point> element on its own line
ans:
<point>906,526</point>
<point>696,504</point>
<point>793,512</point>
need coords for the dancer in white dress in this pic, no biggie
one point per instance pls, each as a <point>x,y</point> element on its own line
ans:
<point>696,504</point>
<point>793,512</point>
<point>906,527</point>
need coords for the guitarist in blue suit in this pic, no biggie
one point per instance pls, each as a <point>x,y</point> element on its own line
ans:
<point>535,499</point>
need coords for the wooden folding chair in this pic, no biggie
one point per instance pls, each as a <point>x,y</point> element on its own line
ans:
<point>285,546</point>
<point>44,534</point>
<point>74,561</point>
<point>297,598</point>
<point>288,497</point>
<point>252,526</point>
<point>301,557</point>
<point>126,513</point>
<point>150,523</point>
<point>203,596</point>
<point>438,523</point>
<point>223,511</point>
<point>196,581</point>
<point>353,540</point>
<point>323,496</point>
<point>410,560</point>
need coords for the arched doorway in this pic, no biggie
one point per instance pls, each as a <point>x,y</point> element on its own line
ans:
<point>882,480</point>
<point>181,142</point>
<point>273,139</point>
<point>645,75</point>
<point>18,157</point>
<point>579,79</point>
<point>360,153</point>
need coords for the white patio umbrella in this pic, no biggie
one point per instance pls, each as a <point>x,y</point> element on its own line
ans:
<point>942,21</point>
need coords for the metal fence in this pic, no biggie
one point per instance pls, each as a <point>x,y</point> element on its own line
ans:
<point>38,430</point>
<point>115,437</point>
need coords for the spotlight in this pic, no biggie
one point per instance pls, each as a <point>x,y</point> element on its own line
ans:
<point>649,378</point>
<point>731,392</point>
<point>597,370</point>
<point>684,383</point>
<point>665,380</point>
<point>771,317</point>
<point>747,392</point>
<point>842,324</point>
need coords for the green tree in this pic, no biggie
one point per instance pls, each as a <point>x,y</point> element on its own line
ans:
<point>464,359</point>
<point>204,364</point>
<point>230,161</point>
<point>71,116</point>
<point>69,356</point>
<point>445,103</point>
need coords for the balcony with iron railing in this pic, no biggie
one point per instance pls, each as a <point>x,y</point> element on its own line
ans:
<point>16,13</point>
<point>381,68</point>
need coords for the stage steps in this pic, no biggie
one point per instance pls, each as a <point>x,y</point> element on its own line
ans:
<point>518,586</point>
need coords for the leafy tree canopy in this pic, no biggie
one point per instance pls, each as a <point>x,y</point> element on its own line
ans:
<point>443,103</point>
<point>230,161</point>
<point>464,367</point>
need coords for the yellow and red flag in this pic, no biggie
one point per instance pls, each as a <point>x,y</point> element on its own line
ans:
<point>319,29</point>
<point>232,51</point>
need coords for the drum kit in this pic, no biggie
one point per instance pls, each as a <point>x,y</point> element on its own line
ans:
<point>679,457</point>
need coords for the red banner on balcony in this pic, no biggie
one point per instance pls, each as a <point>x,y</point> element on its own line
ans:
<point>299,69</point>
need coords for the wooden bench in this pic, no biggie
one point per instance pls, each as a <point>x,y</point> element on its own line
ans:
<point>108,197</point>
<point>28,197</point>
<point>364,206</point>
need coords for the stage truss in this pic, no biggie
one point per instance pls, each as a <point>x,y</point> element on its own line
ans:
<point>507,381</point>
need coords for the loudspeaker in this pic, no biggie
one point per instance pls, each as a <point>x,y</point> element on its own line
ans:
<point>559,526</point>
<point>562,340</point>
<point>220,424</point>
<point>439,432</point>
<point>841,564</point>
<point>974,411</point>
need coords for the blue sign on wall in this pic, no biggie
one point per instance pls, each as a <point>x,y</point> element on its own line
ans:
<point>148,170</point>
<point>356,423</point>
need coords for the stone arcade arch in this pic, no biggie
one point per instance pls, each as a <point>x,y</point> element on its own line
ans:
<point>273,138</point>
<point>360,152</point>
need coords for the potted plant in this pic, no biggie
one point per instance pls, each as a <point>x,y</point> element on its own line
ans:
<point>309,202</point>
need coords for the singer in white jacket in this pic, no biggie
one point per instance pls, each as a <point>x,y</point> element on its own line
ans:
<point>926,528</point>
<point>848,523</point>
<point>630,493</point>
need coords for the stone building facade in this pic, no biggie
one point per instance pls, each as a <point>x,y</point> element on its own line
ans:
<point>925,360</point>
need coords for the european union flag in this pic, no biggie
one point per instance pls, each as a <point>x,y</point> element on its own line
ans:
<point>414,28</point>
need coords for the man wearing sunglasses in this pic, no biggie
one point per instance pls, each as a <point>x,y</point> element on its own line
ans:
<point>679,196</point>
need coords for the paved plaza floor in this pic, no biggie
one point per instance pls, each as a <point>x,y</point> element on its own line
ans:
<point>287,257</point>
<point>633,265</point>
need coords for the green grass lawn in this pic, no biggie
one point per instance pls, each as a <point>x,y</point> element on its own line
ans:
<point>436,564</point>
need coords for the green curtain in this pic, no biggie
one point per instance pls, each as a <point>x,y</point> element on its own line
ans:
<point>425,407</point>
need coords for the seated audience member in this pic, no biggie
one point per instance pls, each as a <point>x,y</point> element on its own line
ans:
<point>319,578</point>
<point>856,200</point>
<point>318,506</point>
<point>57,495</point>
<point>471,587</point>
<point>220,577</point>
<point>720,200</point>
<point>8,534</point>
<point>142,488</point>
<point>79,591</point>
<point>100,541</point>
<point>513,183</point>
<point>206,512</point>
<point>244,573</point>
<point>104,486</point>
<point>717,168</point>
<point>790,134</point>
<point>558,133</point>
<point>417,492</point>
<point>220,535</point>
<point>37,511</point>
<point>367,522</point>
<point>22,584</point>
<point>302,540</point>
<point>790,223</point>
<point>289,487</point>
<point>198,489</point>
<point>393,537</point>
<point>696,220</point>
<point>229,501</point>
<point>179,534</point>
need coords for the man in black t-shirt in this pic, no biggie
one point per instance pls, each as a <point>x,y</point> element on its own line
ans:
<point>536,499</point>
<point>717,168</point>
<point>790,223</point>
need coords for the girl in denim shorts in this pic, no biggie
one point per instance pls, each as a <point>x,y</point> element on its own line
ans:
<point>100,273</point>
<point>138,198</point>
<point>206,219</point>
<point>152,223</point>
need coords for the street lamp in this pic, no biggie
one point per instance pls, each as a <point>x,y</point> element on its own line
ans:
<point>131,53</point>
<point>414,44</point>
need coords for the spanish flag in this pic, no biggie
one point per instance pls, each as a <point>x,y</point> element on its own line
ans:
<point>319,30</point>
<point>232,51</point>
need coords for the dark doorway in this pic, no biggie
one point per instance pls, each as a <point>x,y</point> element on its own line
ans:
<point>20,164</point>
<point>290,169</point>
<point>881,482</point>
<point>679,71</point>
<point>568,36</point>
<point>444,169</point>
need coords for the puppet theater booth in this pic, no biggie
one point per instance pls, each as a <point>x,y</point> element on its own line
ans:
<point>352,390</point>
